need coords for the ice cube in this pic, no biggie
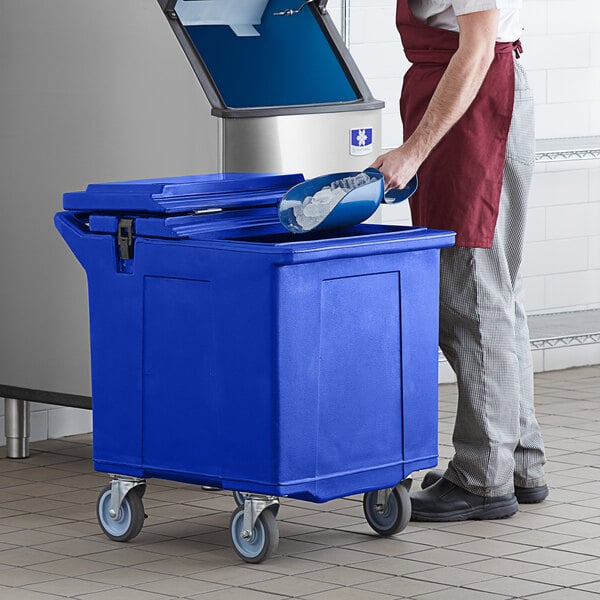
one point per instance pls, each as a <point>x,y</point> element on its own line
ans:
<point>326,200</point>
<point>338,194</point>
<point>361,179</point>
<point>323,196</point>
<point>307,223</point>
<point>298,212</point>
<point>312,209</point>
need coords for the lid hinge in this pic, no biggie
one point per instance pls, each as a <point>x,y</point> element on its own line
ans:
<point>125,239</point>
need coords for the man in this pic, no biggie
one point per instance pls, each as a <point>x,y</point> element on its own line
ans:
<point>468,131</point>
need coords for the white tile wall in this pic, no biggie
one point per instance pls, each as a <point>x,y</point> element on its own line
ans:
<point>573,85</point>
<point>562,55</point>
<point>368,57</point>
<point>536,225</point>
<point>573,220</point>
<point>594,181</point>
<point>538,360</point>
<point>392,130</point>
<point>564,120</point>
<point>595,51</point>
<point>68,421</point>
<point>550,188</point>
<point>594,252</point>
<point>535,18</point>
<point>556,51</point>
<point>555,256</point>
<point>595,117</point>
<point>373,23</point>
<point>39,425</point>
<point>572,356</point>
<point>569,291</point>
<point>535,293</point>
<point>572,16</point>
<point>538,81</point>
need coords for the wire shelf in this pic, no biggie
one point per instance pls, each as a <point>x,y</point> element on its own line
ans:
<point>571,328</point>
<point>575,148</point>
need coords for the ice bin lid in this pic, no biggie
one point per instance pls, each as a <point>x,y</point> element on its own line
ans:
<point>182,195</point>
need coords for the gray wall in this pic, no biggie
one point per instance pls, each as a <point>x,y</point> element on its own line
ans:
<point>90,90</point>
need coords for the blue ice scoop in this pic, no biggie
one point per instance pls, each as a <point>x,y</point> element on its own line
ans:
<point>306,208</point>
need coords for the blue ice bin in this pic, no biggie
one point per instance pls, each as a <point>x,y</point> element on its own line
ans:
<point>228,351</point>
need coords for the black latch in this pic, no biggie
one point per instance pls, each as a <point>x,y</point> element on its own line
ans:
<point>125,238</point>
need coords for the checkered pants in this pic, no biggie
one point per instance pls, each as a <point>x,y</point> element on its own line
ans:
<point>484,335</point>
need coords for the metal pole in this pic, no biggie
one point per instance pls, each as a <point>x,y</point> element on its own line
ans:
<point>346,22</point>
<point>16,425</point>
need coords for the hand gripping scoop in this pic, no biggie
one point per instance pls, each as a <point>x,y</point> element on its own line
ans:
<point>337,200</point>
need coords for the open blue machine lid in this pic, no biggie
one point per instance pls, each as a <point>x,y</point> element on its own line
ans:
<point>182,195</point>
<point>264,58</point>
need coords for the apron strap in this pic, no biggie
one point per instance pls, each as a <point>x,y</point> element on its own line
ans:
<point>518,48</point>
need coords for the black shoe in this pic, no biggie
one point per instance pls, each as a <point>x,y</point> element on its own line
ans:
<point>530,495</point>
<point>445,501</point>
<point>431,477</point>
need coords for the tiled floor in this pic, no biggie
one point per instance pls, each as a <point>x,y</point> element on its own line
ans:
<point>51,546</point>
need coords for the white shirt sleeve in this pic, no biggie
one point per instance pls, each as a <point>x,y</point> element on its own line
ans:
<point>443,13</point>
<point>464,7</point>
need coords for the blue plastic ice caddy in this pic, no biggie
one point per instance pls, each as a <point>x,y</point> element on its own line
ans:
<point>228,352</point>
<point>354,206</point>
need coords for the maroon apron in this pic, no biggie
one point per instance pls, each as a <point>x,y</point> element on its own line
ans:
<point>461,180</point>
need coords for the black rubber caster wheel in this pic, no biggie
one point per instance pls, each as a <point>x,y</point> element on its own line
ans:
<point>391,518</point>
<point>131,516</point>
<point>263,541</point>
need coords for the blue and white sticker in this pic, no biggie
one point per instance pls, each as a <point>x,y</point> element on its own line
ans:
<point>361,141</point>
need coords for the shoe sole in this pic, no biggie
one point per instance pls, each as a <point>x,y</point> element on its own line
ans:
<point>524,495</point>
<point>496,511</point>
<point>531,495</point>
